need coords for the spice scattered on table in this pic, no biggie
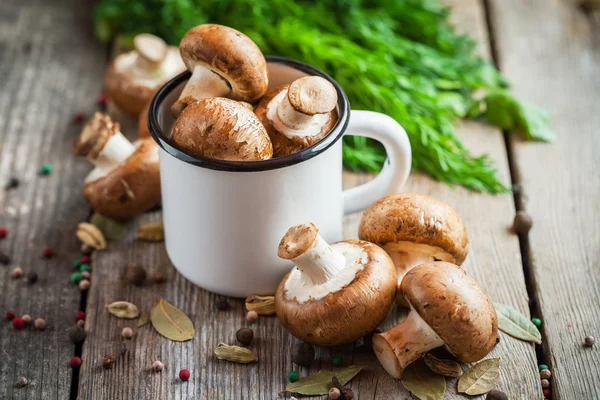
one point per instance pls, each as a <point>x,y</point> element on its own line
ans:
<point>85,268</point>
<point>157,366</point>
<point>77,333</point>
<point>334,393</point>
<point>589,341</point>
<point>251,316</point>
<point>337,361</point>
<point>84,284</point>
<point>75,362</point>
<point>235,354</point>
<point>86,259</point>
<point>22,382</point>
<point>78,117</point>
<point>547,393</point>
<point>27,319</point>
<point>4,258</point>
<point>543,367</point>
<point>18,323</point>
<point>293,376</point>
<point>303,354</point>
<point>77,264</point>
<point>3,232</point>
<point>47,252</point>
<point>537,322</point>
<point>184,375</point>
<point>80,316</point>
<point>12,183</point>
<point>123,309</point>
<point>17,273</point>
<point>91,236</point>
<point>32,278</point>
<point>127,333</point>
<point>101,99</point>
<point>86,249</point>
<point>244,336</point>
<point>40,323</point>
<point>10,315</point>
<point>496,395</point>
<point>522,223</point>
<point>76,277</point>
<point>136,275</point>
<point>86,275</point>
<point>46,169</point>
<point>263,305</point>
<point>222,304</point>
<point>545,383</point>
<point>545,374</point>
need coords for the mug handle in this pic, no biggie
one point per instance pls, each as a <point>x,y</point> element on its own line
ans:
<point>396,168</point>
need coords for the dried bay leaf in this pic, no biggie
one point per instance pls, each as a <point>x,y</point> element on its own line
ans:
<point>234,354</point>
<point>515,324</point>
<point>321,382</point>
<point>91,235</point>
<point>422,382</point>
<point>123,309</point>
<point>263,305</point>
<point>481,378</point>
<point>154,232</point>
<point>144,319</point>
<point>443,367</point>
<point>112,229</point>
<point>171,322</point>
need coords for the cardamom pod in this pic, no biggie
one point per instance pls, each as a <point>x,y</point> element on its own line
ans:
<point>91,235</point>
<point>234,354</point>
<point>151,232</point>
<point>263,305</point>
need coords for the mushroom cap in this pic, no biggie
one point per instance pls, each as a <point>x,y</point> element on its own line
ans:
<point>297,240</point>
<point>230,54</point>
<point>222,129</point>
<point>416,218</point>
<point>143,131</point>
<point>150,47</point>
<point>453,304</point>
<point>130,188</point>
<point>347,314</point>
<point>282,145</point>
<point>312,95</point>
<point>94,135</point>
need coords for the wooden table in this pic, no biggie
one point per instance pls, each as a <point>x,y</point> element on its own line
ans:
<point>51,67</point>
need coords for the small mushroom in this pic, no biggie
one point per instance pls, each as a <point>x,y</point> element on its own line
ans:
<point>125,180</point>
<point>413,229</point>
<point>224,63</point>
<point>143,131</point>
<point>131,78</point>
<point>447,308</point>
<point>222,129</point>
<point>336,293</point>
<point>299,115</point>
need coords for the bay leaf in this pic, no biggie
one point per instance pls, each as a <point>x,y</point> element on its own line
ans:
<point>480,378</point>
<point>422,382</point>
<point>144,319</point>
<point>151,232</point>
<point>320,383</point>
<point>171,322</point>
<point>111,228</point>
<point>515,324</point>
<point>443,367</point>
<point>123,309</point>
<point>234,354</point>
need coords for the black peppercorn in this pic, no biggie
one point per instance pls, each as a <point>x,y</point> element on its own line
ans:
<point>522,223</point>
<point>32,278</point>
<point>22,382</point>
<point>496,395</point>
<point>303,355</point>
<point>589,341</point>
<point>222,304</point>
<point>12,183</point>
<point>4,258</point>
<point>244,336</point>
<point>368,340</point>
<point>136,275</point>
<point>77,333</point>
<point>159,278</point>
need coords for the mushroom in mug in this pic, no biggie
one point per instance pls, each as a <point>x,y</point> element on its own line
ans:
<point>125,181</point>
<point>336,293</point>
<point>224,63</point>
<point>132,77</point>
<point>413,229</point>
<point>447,308</point>
<point>298,115</point>
<point>222,129</point>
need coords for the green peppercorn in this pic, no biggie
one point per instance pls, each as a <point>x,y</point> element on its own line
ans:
<point>85,268</point>
<point>542,366</point>
<point>76,277</point>
<point>77,264</point>
<point>293,376</point>
<point>537,322</point>
<point>337,361</point>
<point>303,354</point>
<point>244,336</point>
<point>46,169</point>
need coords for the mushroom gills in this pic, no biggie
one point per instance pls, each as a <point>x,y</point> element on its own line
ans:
<point>292,123</point>
<point>116,150</point>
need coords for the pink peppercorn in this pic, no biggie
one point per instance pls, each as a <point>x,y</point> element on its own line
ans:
<point>85,259</point>
<point>47,252</point>
<point>184,375</point>
<point>78,117</point>
<point>75,362</point>
<point>547,393</point>
<point>10,315</point>
<point>102,99</point>
<point>18,323</point>
<point>80,316</point>
<point>84,285</point>
<point>3,232</point>
<point>86,275</point>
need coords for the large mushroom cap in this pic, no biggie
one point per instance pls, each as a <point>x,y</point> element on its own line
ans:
<point>95,134</point>
<point>222,129</point>
<point>416,219</point>
<point>453,304</point>
<point>230,54</point>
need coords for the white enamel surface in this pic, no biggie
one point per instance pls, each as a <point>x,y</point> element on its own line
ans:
<point>172,65</point>
<point>116,150</point>
<point>290,122</point>
<point>300,286</point>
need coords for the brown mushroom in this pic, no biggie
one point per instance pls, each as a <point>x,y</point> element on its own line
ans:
<point>222,129</point>
<point>336,293</point>
<point>447,308</point>
<point>143,131</point>
<point>125,180</point>
<point>413,229</point>
<point>224,63</point>
<point>132,77</point>
<point>299,115</point>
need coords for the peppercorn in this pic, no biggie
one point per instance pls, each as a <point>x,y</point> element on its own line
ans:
<point>545,374</point>
<point>547,393</point>
<point>522,223</point>
<point>86,275</point>
<point>293,376</point>
<point>10,315</point>
<point>303,354</point>
<point>85,268</point>
<point>136,275</point>
<point>32,278</point>
<point>334,393</point>
<point>78,117</point>
<point>40,323</point>
<point>107,362</point>
<point>101,99</point>
<point>222,304</point>
<point>27,319</point>
<point>545,383</point>
<point>47,252</point>
<point>84,285</point>
<point>368,340</point>
<point>157,366</point>
<point>3,232</point>
<point>18,323</point>
<point>337,361</point>
<point>17,273</point>
<point>85,259</point>
<point>77,264</point>
<point>184,375</point>
<point>244,336</point>
<point>589,341</point>
<point>77,334</point>
<point>536,321</point>
<point>76,277</point>
<point>46,169</point>
<point>80,323</point>
<point>80,316</point>
<point>86,249</point>
<point>12,183</point>
<point>542,366</point>
<point>22,382</point>
<point>496,395</point>
<point>159,278</point>
<point>251,316</point>
<point>4,258</point>
<point>75,362</point>
<point>348,394</point>
<point>127,333</point>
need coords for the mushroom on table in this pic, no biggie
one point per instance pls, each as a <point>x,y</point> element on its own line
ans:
<point>125,181</point>
<point>298,115</point>
<point>447,308</point>
<point>224,63</point>
<point>413,229</point>
<point>336,293</point>
<point>131,78</point>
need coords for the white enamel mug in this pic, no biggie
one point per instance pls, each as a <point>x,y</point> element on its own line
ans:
<point>224,219</point>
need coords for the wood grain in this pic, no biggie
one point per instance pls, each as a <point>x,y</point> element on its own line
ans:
<point>548,49</point>
<point>49,68</point>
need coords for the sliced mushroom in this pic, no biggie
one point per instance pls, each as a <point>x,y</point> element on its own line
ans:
<point>224,63</point>
<point>222,129</point>
<point>413,229</point>
<point>125,181</point>
<point>336,293</point>
<point>299,115</point>
<point>132,77</point>
<point>447,308</point>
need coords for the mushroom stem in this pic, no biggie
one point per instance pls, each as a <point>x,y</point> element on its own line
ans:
<point>203,84</point>
<point>320,262</point>
<point>293,123</point>
<point>405,343</point>
<point>117,149</point>
<point>405,260</point>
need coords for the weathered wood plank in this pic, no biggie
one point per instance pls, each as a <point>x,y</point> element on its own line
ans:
<point>49,66</point>
<point>548,49</point>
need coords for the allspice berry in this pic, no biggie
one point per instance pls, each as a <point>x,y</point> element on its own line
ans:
<point>157,366</point>
<point>32,278</point>
<point>159,278</point>
<point>522,223</point>
<point>40,323</point>
<point>127,333</point>
<point>77,333</point>
<point>84,285</point>
<point>496,395</point>
<point>545,383</point>
<point>589,341</point>
<point>334,393</point>
<point>244,336</point>
<point>136,275</point>
<point>27,319</point>
<point>22,382</point>
<point>251,316</point>
<point>303,354</point>
<point>222,304</point>
<point>545,374</point>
